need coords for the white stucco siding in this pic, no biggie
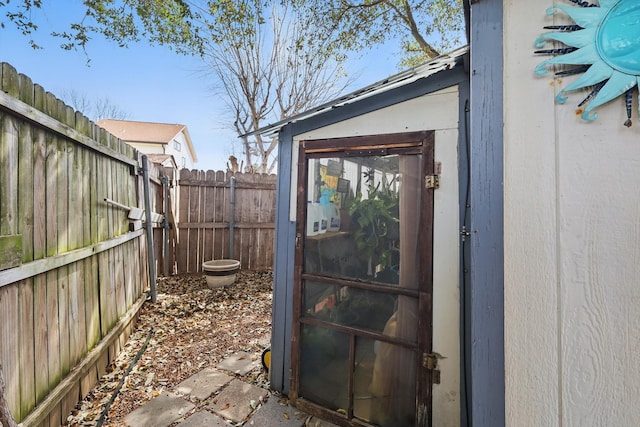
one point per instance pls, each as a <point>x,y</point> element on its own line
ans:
<point>147,148</point>
<point>572,246</point>
<point>439,112</point>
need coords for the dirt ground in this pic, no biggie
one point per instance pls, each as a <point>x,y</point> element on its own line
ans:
<point>191,327</point>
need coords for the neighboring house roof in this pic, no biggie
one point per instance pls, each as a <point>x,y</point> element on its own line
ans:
<point>147,132</point>
<point>429,68</point>
<point>163,159</point>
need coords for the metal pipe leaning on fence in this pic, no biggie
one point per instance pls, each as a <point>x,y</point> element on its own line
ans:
<point>136,214</point>
<point>232,213</point>
<point>149,228</point>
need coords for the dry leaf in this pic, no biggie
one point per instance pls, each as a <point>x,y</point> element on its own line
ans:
<point>193,328</point>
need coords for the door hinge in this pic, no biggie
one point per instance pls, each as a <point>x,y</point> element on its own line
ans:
<point>435,376</point>
<point>430,362</point>
<point>432,181</point>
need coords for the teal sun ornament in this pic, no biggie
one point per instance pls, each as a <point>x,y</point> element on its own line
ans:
<point>603,45</point>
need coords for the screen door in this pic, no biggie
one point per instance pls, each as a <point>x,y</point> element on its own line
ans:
<point>363,285</point>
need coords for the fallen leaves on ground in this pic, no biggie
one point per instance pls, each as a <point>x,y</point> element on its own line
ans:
<point>192,327</point>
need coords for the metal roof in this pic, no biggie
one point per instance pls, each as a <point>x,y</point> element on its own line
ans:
<point>429,68</point>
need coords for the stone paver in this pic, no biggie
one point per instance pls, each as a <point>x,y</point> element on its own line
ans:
<point>204,418</point>
<point>237,400</point>
<point>239,363</point>
<point>203,384</point>
<point>317,422</point>
<point>277,414</point>
<point>160,411</point>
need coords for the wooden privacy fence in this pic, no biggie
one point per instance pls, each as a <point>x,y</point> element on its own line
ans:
<point>72,275</point>
<point>73,268</point>
<point>216,209</point>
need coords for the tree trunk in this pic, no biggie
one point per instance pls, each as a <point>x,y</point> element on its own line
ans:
<point>6,419</point>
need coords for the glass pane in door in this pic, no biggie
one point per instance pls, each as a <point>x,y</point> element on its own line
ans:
<point>324,366</point>
<point>359,210</point>
<point>384,384</point>
<point>361,308</point>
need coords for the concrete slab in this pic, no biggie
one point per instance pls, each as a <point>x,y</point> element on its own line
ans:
<point>202,419</point>
<point>277,413</point>
<point>160,411</point>
<point>240,363</point>
<point>203,384</point>
<point>238,400</point>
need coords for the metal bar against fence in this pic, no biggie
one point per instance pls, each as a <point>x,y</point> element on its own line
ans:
<point>149,227</point>
<point>232,214</point>
<point>166,225</point>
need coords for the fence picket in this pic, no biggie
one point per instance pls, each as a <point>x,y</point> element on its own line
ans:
<point>40,303</point>
<point>9,339</point>
<point>53,330</point>
<point>26,347</point>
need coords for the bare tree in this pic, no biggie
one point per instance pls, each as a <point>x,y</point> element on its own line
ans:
<point>105,109</point>
<point>269,70</point>
<point>95,109</point>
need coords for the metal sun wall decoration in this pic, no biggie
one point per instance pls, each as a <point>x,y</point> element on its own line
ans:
<point>604,44</point>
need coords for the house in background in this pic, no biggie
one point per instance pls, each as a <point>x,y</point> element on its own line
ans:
<point>155,139</point>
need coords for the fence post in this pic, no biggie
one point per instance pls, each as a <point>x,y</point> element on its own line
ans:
<point>149,227</point>
<point>232,215</point>
<point>166,225</point>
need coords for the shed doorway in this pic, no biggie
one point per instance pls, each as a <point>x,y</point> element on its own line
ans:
<point>362,316</point>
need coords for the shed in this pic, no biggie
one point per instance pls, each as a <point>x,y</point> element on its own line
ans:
<point>368,309</point>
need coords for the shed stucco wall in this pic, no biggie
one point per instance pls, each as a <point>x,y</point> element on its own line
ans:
<point>571,244</point>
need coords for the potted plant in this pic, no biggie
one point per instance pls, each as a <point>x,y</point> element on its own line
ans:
<point>375,227</point>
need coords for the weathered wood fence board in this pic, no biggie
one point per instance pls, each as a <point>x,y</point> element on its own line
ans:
<point>81,273</point>
<point>204,209</point>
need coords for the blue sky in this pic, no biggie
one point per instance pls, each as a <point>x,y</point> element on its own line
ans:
<point>149,83</point>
